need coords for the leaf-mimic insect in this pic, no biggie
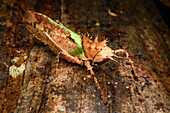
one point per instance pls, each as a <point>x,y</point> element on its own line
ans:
<point>71,46</point>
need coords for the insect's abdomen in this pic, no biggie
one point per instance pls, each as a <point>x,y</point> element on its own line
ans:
<point>38,23</point>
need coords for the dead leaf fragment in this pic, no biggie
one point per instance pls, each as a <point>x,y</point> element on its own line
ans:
<point>111,13</point>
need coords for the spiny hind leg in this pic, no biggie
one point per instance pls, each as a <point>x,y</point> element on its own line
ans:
<point>89,67</point>
<point>64,54</point>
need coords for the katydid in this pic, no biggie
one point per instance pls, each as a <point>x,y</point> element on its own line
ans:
<point>71,46</point>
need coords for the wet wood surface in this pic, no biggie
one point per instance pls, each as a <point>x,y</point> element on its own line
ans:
<point>31,82</point>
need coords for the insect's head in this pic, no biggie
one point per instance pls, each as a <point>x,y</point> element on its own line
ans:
<point>99,51</point>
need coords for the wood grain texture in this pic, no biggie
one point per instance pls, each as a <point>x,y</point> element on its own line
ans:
<point>138,28</point>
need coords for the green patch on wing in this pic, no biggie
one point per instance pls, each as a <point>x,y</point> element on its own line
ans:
<point>75,36</point>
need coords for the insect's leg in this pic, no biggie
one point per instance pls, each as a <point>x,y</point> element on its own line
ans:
<point>57,63</point>
<point>117,62</point>
<point>120,51</point>
<point>71,58</point>
<point>105,82</point>
<point>64,54</point>
<point>59,22</point>
<point>58,58</point>
<point>126,57</point>
<point>89,67</point>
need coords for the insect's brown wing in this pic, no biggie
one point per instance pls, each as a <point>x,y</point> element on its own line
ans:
<point>91,48</point>
<point>38,23</point>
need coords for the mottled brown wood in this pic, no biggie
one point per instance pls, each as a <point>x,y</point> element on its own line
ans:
<point>138,28</point>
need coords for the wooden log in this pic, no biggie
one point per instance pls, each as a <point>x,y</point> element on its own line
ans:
<point>136,27</point>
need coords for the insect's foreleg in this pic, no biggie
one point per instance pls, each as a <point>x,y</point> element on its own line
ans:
<point>120,51</point>
<point>126,57</point>
<point>89,67</point>
<point>117,62</point>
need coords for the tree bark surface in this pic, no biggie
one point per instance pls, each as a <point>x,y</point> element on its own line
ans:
<point>31,82</point>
